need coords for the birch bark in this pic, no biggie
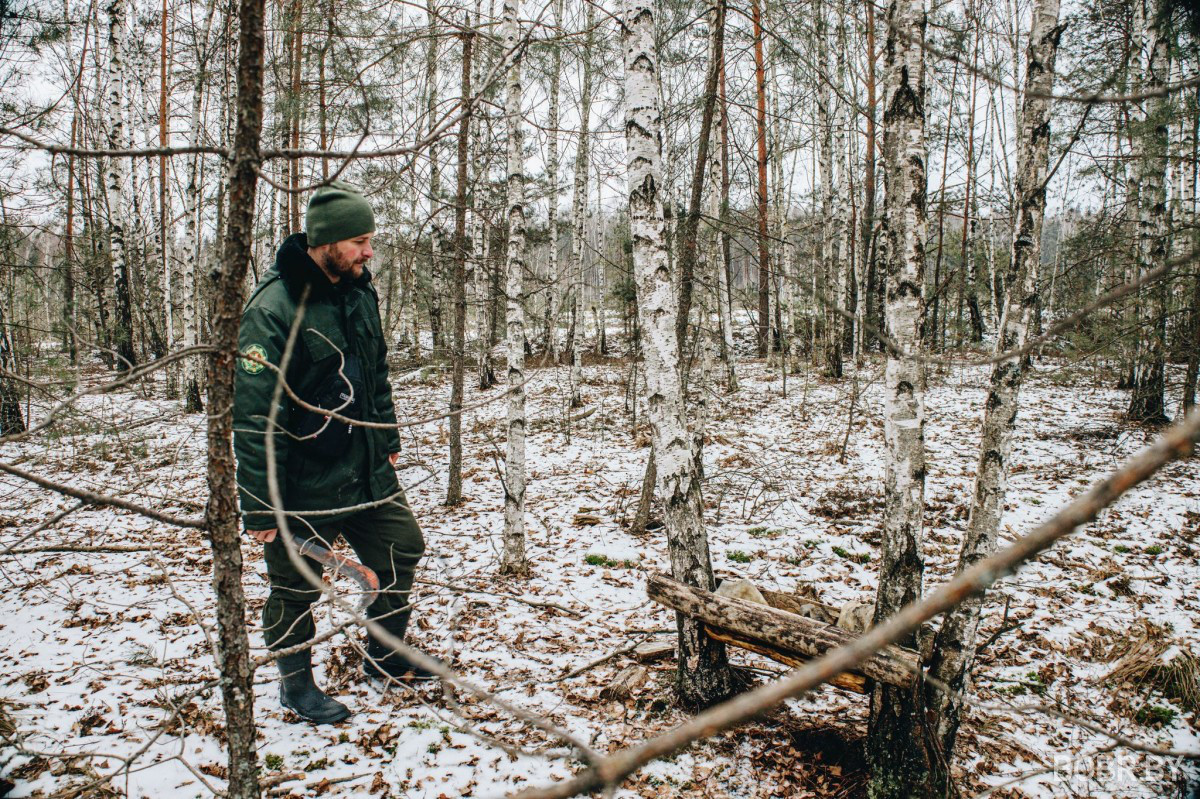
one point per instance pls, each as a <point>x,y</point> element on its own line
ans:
<point>69,317</point>
<point>841,228</point>
<point>167,266</point>
<point>552,123</point>
<point>458,286</point>
<point>969,202</point>
<point>894,751</point>
<point>122,332</point>
<point>513,559</point>
<point>954,646</point>
<point>150,286</point>
<point>479,242</point>
<point>703,676</point>
<point>579,209</point>
<point>724,281</point>
<point>870,319</point>
<point>1147,400</point>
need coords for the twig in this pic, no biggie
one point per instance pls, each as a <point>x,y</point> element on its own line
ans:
<point>53,520</point>
<point>601,660</point>
<point>77,548</point>
<point>102,499</point>
<point>1004,628</point>
<point>532,602</point>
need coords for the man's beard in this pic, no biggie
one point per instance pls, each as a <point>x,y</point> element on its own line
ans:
<point>337,264</point>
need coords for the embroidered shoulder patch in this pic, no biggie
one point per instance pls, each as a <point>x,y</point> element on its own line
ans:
<point>253,367</point>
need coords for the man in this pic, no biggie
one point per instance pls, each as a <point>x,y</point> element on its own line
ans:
<point>334,478</point>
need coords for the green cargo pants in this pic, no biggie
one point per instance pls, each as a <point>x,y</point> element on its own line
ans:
<point>386,540</point>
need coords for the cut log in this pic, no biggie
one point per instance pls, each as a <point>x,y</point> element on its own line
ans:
<point>777,632</point>
<point>627,682</point>
<point>652,651</point>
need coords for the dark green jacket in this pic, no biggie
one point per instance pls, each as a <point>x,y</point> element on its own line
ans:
<point>310,482</point>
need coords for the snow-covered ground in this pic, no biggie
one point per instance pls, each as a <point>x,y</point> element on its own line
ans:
<point>97,649</point>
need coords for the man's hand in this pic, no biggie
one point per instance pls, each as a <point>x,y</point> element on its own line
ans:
<point>265,536</point>
<point>394,458</point>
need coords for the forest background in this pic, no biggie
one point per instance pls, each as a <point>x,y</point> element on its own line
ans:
<point>743,279</point>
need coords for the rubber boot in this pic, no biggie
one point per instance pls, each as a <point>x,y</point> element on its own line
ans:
<point>299,694</point>
<point>382,663</point>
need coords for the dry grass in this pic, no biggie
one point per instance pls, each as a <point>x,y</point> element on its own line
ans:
<point>1149,658</point>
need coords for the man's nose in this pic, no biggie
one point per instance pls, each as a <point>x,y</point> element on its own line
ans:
<point>367,251</point>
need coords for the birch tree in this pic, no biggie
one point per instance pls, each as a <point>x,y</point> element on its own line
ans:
<point>703,675</point>
<point>894,751</point>
<point>513,559</point>
<point>579,207</point>
<point>1147,399</point>
<point>479,235</point>
<point>954,647</point>
<point>970,217</point>
<point>188,283</point>
<point>552,124</point>
<point>115,179</point>
<point>723,283</point>
<point>458,286</point>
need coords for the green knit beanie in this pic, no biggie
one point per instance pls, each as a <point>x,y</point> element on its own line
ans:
<point>337,212</point>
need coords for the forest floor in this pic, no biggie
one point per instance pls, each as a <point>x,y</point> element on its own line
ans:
<point>96,649</point>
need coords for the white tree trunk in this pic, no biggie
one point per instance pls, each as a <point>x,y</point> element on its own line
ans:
<point>894,746</point>
<point>954,649</point>
<point>479,245</point>
<point>704,675</point>
<point>842,230</point>
<point>552,121</point>
<point>513,560</point>
<point>579,210</point>
<point>115,179</point>
<point>143,123</point>
<point>1147,400</point>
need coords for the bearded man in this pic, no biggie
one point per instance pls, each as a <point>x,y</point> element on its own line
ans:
<point>334,478</point>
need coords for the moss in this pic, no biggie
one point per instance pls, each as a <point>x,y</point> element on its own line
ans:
<point>1154,716</point>
<point>596,559</point>
<point>857,557</point>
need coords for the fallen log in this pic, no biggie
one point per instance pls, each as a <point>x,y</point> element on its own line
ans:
<point>801,606</point>
<point>780,635</point>
<point>849,681</point>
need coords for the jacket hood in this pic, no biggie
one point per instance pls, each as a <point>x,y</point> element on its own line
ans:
<point>298,269</point>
